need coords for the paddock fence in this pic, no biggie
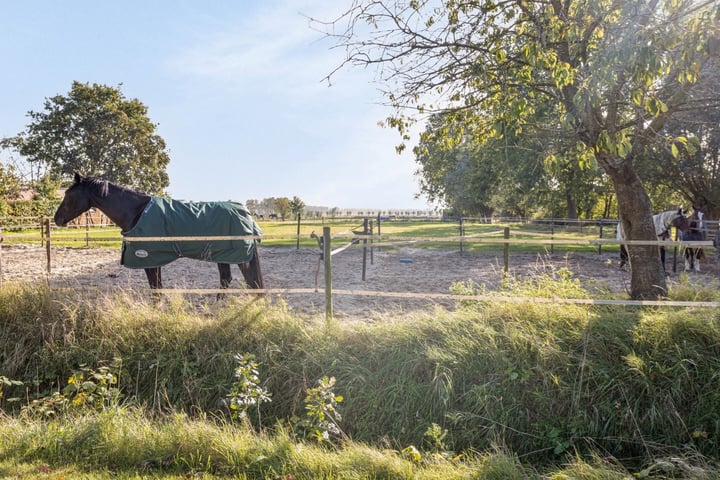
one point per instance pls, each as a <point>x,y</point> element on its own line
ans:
<point>368,236</point>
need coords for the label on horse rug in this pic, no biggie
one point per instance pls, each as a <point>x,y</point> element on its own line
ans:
<point>164,217</point>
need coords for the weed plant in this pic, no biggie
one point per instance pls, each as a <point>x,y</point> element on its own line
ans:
<point>502,390</point>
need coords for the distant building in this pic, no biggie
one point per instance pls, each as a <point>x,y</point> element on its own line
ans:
<point>369,212</point>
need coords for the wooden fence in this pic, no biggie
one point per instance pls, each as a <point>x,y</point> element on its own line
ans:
<point>370,240</point>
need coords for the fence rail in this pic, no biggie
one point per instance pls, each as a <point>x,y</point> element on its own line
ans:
<point>377,240</point>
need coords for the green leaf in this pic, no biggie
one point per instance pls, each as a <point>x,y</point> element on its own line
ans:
<point>674,150</point>
<point>637,97</point>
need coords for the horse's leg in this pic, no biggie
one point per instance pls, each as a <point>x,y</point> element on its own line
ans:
<point>693,259</point>
<point>225,274</point>
<point>688,258</point>
<point>154,277</point>
<point>696,258</point>
<point>252,272</point>
<point>623,256</point>
<point>155,280</point>
<point>662,257</point>
<point>225,277</point>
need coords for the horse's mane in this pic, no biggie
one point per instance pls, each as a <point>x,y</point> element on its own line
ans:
<point>99,186</point>
<point>102,187</point>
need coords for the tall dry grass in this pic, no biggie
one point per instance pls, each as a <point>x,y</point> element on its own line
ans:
<point>548,383</point>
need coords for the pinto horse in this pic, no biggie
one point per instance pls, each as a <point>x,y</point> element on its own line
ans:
<point>697,231</point>
<point>663,222</point>
<point>139,214</point>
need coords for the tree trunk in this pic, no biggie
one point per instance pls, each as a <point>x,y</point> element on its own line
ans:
<point>648,277</point>
<point>571,204</point>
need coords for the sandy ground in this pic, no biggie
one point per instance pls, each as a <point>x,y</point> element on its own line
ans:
<point>393,269</point>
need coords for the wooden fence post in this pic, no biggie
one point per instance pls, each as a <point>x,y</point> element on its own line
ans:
<point>552,235</point>
<point>87,229</point>
<point>601,236</point>
<point>298,232</point>
<point>372,251</point>
<point>365,232</point>
<point>462,233</point>
<point>327,255</point>
<point>47,244</point>
<point>506,250</point>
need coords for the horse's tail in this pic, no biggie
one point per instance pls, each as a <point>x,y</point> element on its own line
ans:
<point>251,270</point>
<point>255,267</point>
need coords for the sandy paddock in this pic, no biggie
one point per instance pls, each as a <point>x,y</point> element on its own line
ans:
<point>394,269</point>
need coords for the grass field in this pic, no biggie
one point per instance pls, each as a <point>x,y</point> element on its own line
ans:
<point>436,234</point>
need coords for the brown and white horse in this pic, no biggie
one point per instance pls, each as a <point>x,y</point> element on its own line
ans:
<point>663,223</point>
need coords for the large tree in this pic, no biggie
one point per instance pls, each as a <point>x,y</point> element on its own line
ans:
<point>95,130</point>
<point>616,71</point>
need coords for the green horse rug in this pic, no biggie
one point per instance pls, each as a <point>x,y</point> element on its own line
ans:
<point>164,217</point>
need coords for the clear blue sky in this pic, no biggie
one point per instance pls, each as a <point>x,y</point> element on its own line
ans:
<point>235,86</point>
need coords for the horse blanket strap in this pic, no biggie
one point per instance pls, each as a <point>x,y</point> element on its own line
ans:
<point>164,217</point>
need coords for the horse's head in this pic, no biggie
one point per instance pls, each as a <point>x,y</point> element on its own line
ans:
<point>680,221</point>
<point>696,220</point>
<point>77,201</point>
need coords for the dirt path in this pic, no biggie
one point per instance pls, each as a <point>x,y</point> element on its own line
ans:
<point>394,269</point>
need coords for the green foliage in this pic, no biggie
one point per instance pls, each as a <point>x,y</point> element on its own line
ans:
<point>95,130</point>
<point>512,175</point>
<point>6,383</point>
<point>9,182</point>
<point>86,390</point>
<point>246,391</point>
<point>283,207</point>
<point>322,418</point>
<point>44,203</point>
<point>297,206</point>
<point>20,211</point>
<point>684,160</point>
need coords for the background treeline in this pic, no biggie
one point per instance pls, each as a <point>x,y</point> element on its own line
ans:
<point>537,173</point>
<point>41,201</point>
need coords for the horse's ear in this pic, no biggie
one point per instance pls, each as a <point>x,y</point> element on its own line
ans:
<point>78,177</point>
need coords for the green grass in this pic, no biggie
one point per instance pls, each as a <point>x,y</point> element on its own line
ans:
<point>424,233</point>
<point>499,390</point>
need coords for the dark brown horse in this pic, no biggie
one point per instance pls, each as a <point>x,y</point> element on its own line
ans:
<point>696,232</point>
<point>126,208</point>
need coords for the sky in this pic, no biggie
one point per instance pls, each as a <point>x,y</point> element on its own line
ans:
<point>235,86</point>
